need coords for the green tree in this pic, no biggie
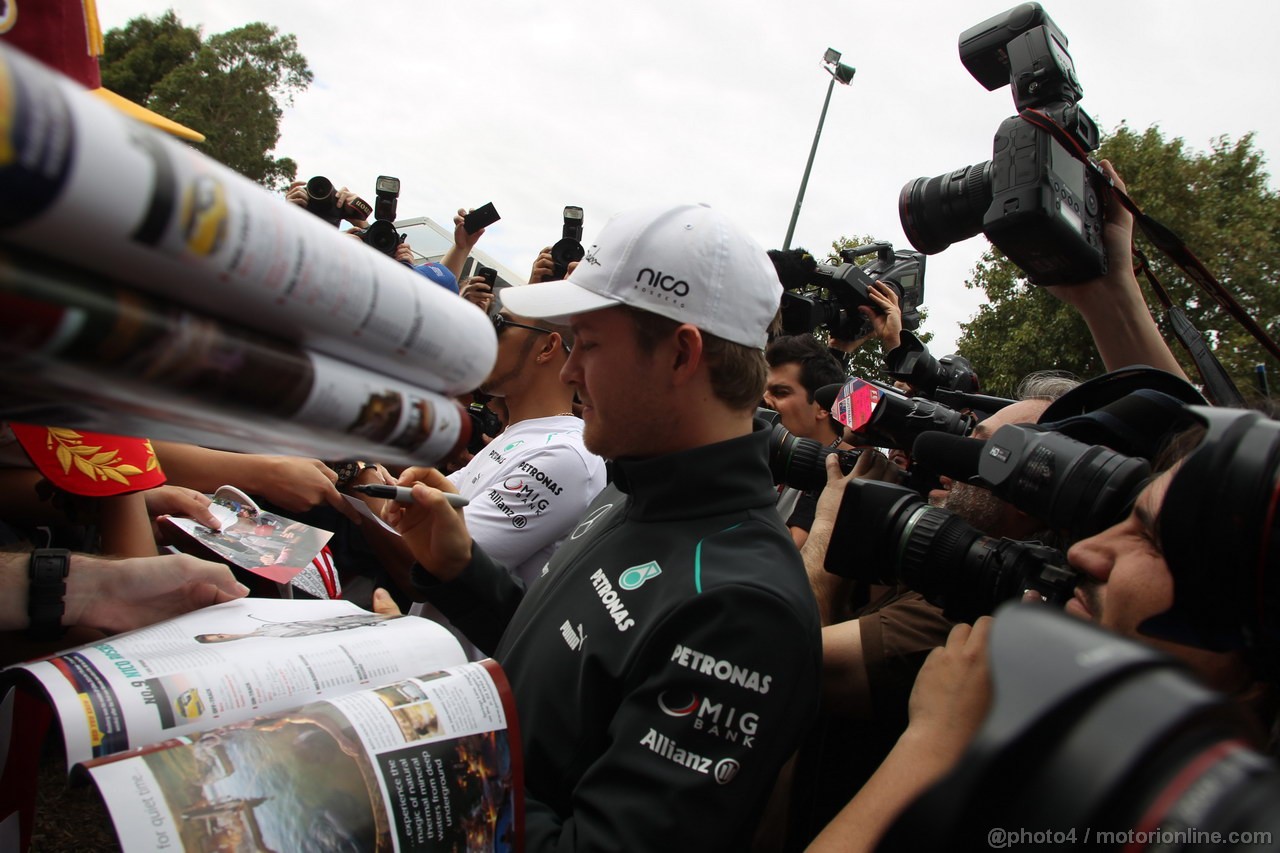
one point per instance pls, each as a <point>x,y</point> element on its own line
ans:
<point>1220,202</point>
<point>142,54</point>
<point>230,87</point>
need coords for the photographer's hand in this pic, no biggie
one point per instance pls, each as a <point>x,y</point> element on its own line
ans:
<point>950,700</point>
<point>404,254</point>
<point>478,292</point>
<point>342,200</point>
<point>543,266</point>
<point>1113,306</point>
<point>435,532</point>
<point>463,243</point>
<point>887,322</point>
<point>297,194</point>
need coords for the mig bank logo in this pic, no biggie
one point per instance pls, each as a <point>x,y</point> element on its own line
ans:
<point>635,577</point>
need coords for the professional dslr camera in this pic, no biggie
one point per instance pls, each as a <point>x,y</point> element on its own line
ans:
<point>912,363</point>
<point>833,293</point>
<point>381,233</point>
<point>322,200</point>
<point>569,247</point>
<point>1097,741</point>
<point>1033,199</point>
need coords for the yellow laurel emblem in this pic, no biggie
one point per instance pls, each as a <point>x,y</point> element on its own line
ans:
<point>93,462</point>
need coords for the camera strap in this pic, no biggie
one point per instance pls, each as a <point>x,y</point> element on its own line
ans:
<point>1161,236</point>
<point>1218,384</point>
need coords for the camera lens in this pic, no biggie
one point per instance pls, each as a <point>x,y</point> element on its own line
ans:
<point>942,210</point>
<point>1096,731</point>
<point>801,463</point>
<point>887,534</point>
<point>382,236</point>
<point>319,188</point>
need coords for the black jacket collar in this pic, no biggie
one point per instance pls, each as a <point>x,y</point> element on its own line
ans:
<point>714,479</point>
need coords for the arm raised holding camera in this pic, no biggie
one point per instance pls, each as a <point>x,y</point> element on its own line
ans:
<point>1112,305</point>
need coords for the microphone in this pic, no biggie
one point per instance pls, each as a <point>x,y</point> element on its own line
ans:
<point>949,455</point>
<point>826,395</point>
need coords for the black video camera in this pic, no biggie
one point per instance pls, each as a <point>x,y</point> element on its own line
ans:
<point>1067,484</point>
<point>569,247</point>
<point>888,534</point>
<point>830,295</point>
<point>801,463</point>
<point>322,200</point>
<point>381,233</point>
<point>1035,201</point>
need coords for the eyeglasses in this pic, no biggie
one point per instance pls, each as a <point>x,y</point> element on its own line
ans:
<point>501,322</point>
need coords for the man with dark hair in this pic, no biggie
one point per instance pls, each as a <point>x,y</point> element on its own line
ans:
<point>667,663</point>
<point>798,367</point>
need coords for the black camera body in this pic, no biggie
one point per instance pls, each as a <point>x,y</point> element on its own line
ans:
<point>842,288</point>
<point>485,424</point>
<point>569,247</point>
<point>381,233</point>
<point>1035,201</point>
<point>912,363</point>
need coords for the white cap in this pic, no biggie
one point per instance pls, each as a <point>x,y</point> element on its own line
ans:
<point>688,263</point>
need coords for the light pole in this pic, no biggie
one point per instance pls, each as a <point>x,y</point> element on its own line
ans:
<point>839,73</point>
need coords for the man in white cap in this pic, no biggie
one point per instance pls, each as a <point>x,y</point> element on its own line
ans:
<point>666,664</point>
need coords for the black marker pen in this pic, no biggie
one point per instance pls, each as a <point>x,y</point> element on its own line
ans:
<point>404,494</point>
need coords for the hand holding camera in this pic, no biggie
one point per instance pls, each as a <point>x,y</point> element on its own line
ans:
<point>332,205</point>
<point>478,289</point>
<point>566,253</point>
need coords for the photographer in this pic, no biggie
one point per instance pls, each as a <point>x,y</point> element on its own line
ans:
<point>798,367</point>
<point>875,639</point>
<point>1128,581</point>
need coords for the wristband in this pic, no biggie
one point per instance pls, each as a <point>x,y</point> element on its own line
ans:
<point>47,573</point>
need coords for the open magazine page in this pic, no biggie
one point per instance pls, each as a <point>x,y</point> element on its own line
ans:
<point>126,200</point>
<point>426,763</point>
<point>67,331</point>
<point>229,663</point>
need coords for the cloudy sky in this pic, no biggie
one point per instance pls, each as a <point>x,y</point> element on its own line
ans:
<point>610,105</point>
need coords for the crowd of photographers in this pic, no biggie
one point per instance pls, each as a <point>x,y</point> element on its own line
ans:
<point>916,506</point>
<point>744,599</point>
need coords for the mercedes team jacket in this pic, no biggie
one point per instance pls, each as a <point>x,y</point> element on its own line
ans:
<point>666,664</point>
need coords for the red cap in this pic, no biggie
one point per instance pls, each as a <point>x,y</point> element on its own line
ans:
<point>93,464</point>
<point>66,36</point>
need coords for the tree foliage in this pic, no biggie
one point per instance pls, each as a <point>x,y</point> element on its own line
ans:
<point>230,87</point>
<point>1220,202</point>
